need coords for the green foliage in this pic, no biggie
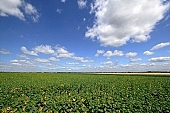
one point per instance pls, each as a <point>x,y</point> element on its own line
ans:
<point>73,92</point>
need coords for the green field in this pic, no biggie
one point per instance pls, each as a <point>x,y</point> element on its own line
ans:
<point>78,92</point>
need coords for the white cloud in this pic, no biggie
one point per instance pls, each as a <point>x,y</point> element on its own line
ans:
<point>38,64</point>
<point>119,21</point>
<point>115,53</point>
<point>84,19</point>
<point>108,54</point>
<point>21,62</point>
<point>32,11</point>
<point>118,53</point>
<point>81,59</point>
<point>135,59</point>
<point>99,52</point>
<point>132,67</point>
<point>63,53</point>
<point>72,63</point>
<point>109,64</point>
<point>16,8</point>
<point>59,52</point>
<point>53,59</point>
<point>159,59</point>
<point>46,49</point>
<point>3,14</point>
<point>42,60</point>
<point>144,67</point>
<point>148,53</point>
<point>131,54</point>
<point>161,45</point>
<point>24,50</point>
<point>11,7</point>
<point>82,3</point>
<point>58,10</point>
<point>63,1</point>
<point>13,61</point>
<point>23,56</point>
<point>17,64</point>
<point>4,51</point>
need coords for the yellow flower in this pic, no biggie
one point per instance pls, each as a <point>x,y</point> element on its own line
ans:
<point>8,108</point>
<point>83,106</point>
<point>49,111</point>
<point>74,99</point>
<point>4,110</point>
<point>40,109</point>
<point>23,109</point>
<point>68,100</point>
<point>69,94</point>
<point>62,85</point>
<point>83,99</point>
<point>45,103</point>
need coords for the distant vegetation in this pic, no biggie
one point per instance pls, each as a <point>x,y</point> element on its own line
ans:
<point>95,72</point>
<point>78,92</point>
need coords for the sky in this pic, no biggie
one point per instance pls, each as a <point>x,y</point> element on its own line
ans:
<point>84,35</point>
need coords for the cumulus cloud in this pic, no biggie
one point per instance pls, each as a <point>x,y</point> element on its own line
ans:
<point>82,3</point>
<point>109,64</point>
<point>119,21</point>
<point>99,52</point>
<point>58,52</point>
<point>131,54</point>
<point>24,50</point>
<point>46,49</point>
<point>115,53</point>
<point>13,61</point>
<point>53,59</point>
<point>131,67</point>
<point>42,60</point>
<point>63,53</point>
<point>58,10</point>
<point>72,63</point>
<point>63,1</point>
<point>19,9</point>
<point>118,53</point>
<point>10,7</point>
<point>148,53</point>
<point>159,59</point>
<point>23,56</point>
<point>161,45</point>
<point>108,54</point>
<point>135,59</point>
<point>21,62</point>
<point>4,51</point>
<point>81,59</point>
<point>17,64</point>
<point>32,11</point>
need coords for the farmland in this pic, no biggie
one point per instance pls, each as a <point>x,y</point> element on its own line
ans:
<point>88,93</point>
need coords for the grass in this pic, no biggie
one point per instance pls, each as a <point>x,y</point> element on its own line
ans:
<point>77,92</point>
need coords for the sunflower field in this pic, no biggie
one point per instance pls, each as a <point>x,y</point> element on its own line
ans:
<point>83,93</point>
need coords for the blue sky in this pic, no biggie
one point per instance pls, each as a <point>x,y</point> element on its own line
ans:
<point>85,36</point>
